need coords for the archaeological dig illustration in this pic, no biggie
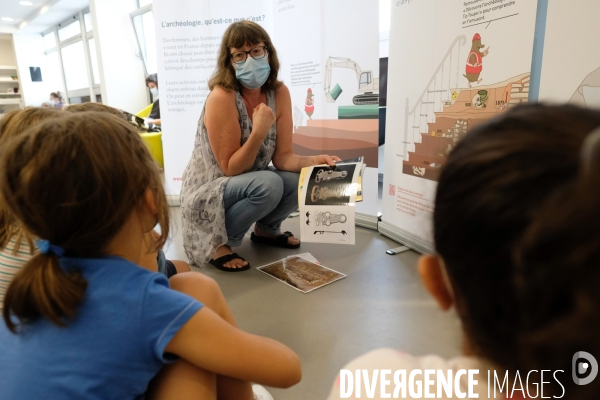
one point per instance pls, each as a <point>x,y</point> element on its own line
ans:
<point>451,104</point>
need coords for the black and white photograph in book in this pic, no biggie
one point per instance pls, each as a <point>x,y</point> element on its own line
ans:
<point>330,186</point>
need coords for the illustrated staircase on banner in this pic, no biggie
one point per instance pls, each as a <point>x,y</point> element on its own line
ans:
<point>444,112</point>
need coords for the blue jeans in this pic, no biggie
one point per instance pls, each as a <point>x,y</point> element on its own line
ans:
<point>264,197</point>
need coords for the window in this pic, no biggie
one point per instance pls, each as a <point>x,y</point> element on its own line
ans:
<point>143,3</point>
<point>74,66</point>
<point>94,59</point>
<point>52,72</point>
<point>144,29</point>
<point>72,61</point>
<point>365,79</point>
<point>68,31</point>
<point>49,40</point>
<point>87,18</point>
<point>385,13</point>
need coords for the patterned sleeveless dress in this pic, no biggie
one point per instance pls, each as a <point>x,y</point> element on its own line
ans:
<point>202,205</point>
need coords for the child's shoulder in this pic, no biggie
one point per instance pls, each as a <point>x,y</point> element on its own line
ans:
<point>124,290</point>
<point>115,274</point>
<point>106,264</point>
<point>17,247</point>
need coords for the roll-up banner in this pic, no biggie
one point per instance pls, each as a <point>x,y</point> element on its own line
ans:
<point>330,62</point>
<point>452,65</point>
<point>571,61</point>
<point>188,36</point>
<point>329,57</point>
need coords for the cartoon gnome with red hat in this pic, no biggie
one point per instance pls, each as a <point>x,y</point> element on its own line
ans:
<point>309,104</point>
<point>475,61</point>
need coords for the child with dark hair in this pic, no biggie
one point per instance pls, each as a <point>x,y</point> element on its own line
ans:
<point>81,318</point>
<point>517,253</point>
<point>99,107</point>
<point>16,245</point>
<point>153,260</point>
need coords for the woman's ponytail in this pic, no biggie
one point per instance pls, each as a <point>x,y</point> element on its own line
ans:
<point>42,289</point>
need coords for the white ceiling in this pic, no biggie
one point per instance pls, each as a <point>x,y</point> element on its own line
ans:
<point>43,15</point>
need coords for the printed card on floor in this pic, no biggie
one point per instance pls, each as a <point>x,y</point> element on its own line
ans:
<point>301,274</point>
<point>307,256</point>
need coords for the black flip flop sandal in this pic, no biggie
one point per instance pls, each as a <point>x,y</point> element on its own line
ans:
<point>279,241</point>
<point>219,262</point>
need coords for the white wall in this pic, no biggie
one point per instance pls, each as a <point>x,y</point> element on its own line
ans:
<point>121,71</point>
<point>29,49</point>
<point>7,55</point>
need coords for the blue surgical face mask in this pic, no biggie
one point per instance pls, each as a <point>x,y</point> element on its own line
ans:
<point>253,73</point>
<point>154,91</point>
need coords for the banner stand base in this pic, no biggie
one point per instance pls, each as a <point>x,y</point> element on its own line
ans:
<point>397,250</point>
<point>173,200</point>
<point>405,239</point>
<point>366,221</point>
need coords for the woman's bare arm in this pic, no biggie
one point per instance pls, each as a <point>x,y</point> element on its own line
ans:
<point>221,119</point>
<point>284,158</point>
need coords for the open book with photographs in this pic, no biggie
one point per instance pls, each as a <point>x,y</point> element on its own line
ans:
<point>327,197</point>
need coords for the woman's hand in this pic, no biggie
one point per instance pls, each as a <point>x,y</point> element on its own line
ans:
<point>262,119</point>
<point>221,118</point>
<point>325,159</point>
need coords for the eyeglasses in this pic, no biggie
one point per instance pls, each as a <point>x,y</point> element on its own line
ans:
<point>239,57</point>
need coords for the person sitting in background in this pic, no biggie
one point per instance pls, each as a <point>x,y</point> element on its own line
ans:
<point>517,246</point>
<point>16,245</point>
<point>81,319</point>
<point>152,83</point>
<point>153,260</point>
<point>57,99</point>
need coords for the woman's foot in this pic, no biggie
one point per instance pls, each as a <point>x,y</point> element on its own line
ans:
<point>233,264</point>
<point>292,241</point>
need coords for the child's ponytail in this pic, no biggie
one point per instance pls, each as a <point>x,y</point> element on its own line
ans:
<point>43,289</point>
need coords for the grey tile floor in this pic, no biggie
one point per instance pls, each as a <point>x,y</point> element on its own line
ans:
<point>381,303</point>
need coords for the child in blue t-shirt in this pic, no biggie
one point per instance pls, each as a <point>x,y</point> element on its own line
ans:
<point>81,319</point>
